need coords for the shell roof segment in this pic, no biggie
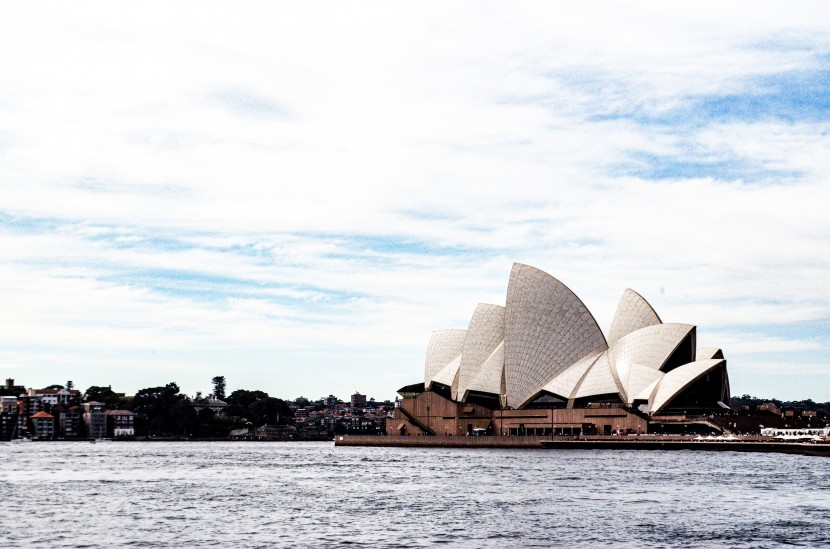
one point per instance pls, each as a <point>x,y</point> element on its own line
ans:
<point>646,393</point>
<point>482,359</point>
<point>598,380</point>
<point>633,313</point>
<point>678,379</point>
<point>566,383</point>
<point>633,356</point>
<point>448,375</point>
<point>444,347</point>
<point>489,377</point>
<point>708,352</point>
<point>640,378</point>
<point>547,329</point>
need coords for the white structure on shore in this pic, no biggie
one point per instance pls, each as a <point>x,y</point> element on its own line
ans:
<point>545,342</point>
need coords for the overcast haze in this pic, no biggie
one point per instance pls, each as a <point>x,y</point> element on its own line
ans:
<point>295,195</point>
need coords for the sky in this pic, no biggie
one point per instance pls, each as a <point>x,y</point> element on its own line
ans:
<point>295,195</point>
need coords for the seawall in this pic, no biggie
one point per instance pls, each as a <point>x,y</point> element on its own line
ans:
<point>442,441</point>
<point>750,444</point>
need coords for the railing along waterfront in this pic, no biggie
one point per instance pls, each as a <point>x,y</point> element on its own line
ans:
<point>447,441</point>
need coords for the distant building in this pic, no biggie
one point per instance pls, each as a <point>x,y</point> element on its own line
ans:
<point>95,419</point>
<point>769,407</point>
<point>30,405</point>
<point>43,426</point>
<point>330,401</point>
<point>53,397</point>
<point>275,432</point>
<point>358,400</point>
<point>246,433</point>
<point>8,405</point>
<point>69,423</point>
<point>120,423</point>
<point>10,389</point>
<point>9,428</point>
<point>211,403</point>
<point>790,410</point>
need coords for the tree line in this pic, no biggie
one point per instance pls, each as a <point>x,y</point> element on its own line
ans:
<point>752,401</point>
<point>166,412</point>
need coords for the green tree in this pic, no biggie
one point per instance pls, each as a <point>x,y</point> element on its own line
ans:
<point>106,396</point>
<point>258,408</point>
<point>163,411</point>
<point>219,387</point>
<point>270,410</point>
<point>243,398</point>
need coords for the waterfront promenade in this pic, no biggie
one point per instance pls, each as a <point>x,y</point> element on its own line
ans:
<point>744,444</point>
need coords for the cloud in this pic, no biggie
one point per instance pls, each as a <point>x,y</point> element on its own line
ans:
<point>326,194</point>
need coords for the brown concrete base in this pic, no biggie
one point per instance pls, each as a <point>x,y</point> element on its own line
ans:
<point>442,441</point>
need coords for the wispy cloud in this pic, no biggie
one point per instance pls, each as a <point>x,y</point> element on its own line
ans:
<point>296,194</point>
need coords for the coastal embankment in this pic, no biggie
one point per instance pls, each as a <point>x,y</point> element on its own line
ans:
<point>745,444</point>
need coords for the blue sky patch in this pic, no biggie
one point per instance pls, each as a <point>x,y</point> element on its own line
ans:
<point>650,166</point>
<point>250,104</point>
<point>796,96</point>
<point>23,224</point>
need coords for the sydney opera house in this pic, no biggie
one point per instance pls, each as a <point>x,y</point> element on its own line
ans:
<point>540,365</point>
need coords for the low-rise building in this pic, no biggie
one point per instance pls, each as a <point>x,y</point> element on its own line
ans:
<point>358,400</point>
<point>10,389</point>
<point>53,397</point>
<point>8,405</point>
<point>211,403</point>
<point>69,423</point>
<point>300,415</point>
<point>121,423</point>
<point>9,426</point>
<point>275,432</point>
<point>769,407</point>
<point>43,426</point>
<point>95,419</point>
<point>246,433</point>
<point>30,404</point>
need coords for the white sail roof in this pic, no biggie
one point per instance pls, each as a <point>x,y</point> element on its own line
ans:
<point>489,376</point>
<point>708,352</point>
<point>633,313</point>
<point>598,380</point>
<point>566,383</point>
<point>646,393</point>
<point>448,375</point>
<point>482,358</point>
<point>546,340</point>
<point>444,347</point>
<point>674,382</point>
<point>633,356</point>
<point>547,329</point>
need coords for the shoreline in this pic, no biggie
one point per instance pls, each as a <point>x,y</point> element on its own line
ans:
<point>750,444</point>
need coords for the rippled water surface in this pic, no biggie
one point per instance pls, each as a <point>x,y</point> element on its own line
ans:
<point>315,495</point>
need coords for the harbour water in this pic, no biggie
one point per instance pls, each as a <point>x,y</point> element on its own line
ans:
<point>167,494</point>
